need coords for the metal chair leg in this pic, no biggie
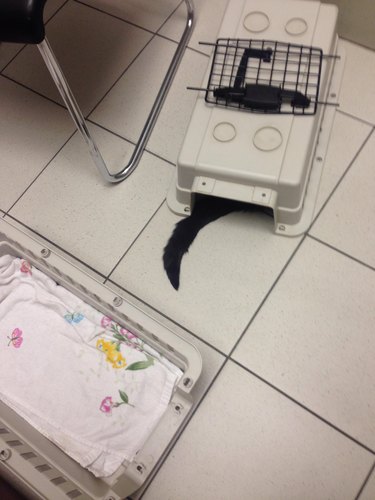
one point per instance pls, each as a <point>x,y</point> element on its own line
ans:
<point>74,110</point>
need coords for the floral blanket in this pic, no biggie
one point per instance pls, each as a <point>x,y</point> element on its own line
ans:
<point>89,385</point>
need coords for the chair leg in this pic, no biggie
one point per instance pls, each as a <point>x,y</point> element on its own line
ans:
<point>76,114</point>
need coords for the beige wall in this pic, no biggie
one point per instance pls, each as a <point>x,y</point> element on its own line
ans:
<point>357,20</point>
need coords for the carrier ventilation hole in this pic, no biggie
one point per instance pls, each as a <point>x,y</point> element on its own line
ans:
<point>58,480</point>
<point>43,468</point>
<point>74,494</point>
<point>3,430</point>
<point>13,443</point>
<point>28,455</point>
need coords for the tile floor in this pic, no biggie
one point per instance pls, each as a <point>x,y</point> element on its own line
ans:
<point>285,408</point>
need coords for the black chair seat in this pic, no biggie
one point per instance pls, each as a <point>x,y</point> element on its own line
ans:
<point>21,21</point>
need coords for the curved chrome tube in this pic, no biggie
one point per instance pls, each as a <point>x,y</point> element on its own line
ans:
<point>76,114</point>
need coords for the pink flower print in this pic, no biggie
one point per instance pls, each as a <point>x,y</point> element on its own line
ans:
<point>16,338</point>
<point>106,322</point>
<point>25,267</point>
<point>126,333</point>
<point>107,405</point>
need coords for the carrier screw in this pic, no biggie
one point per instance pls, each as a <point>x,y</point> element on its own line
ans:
<point>45,252</point>
<point>187,382</point>
<point>178,408</point>
<point>140,469</point>
<point>117,301</point>
<point>5,454</point>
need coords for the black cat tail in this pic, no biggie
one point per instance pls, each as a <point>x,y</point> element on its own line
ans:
<point>178,244</point>
<point>206,210</point>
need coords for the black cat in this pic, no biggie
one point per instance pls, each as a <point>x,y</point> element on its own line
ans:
<point>206,209</point>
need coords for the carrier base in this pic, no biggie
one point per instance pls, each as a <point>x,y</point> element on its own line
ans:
<point>33,463</point>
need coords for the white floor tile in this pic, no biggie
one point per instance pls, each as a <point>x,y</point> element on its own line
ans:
<point>173,121</point>
<point>7,52</point>
<point>224,277</point>
<point>369,491</point>
<point>347,222</point>
<point>314,339</point>
<point>148,15</point>
<point>96,52</point>
<point>31,132</point>
<point>247,441</point>
<point>208,16</point>
<point>357,95</point>
<point>126,107</point>
<point>347,136</point>
<point>73,206</point>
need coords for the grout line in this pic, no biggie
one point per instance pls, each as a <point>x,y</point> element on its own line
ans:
<point>281,273</point>
<point>35,92</point>
<point>309,410</point>
<point>40,173</point>
<point>357,118</point>
<point>341,252</point>
<point>12,59</point>
<point>93,122</point>
<point>357,43</point>
<point>174,322</point>
<point>341,179</point>
<point>66,252</point>
<point>367,478</point>
<point>119,77</point>
<point>56,12</point>
<point>110,14</point>
<point>169,16</point>
<point>130,64</point>
<point>134,241</point>
<point>193,49</point>
<point>182,428</point>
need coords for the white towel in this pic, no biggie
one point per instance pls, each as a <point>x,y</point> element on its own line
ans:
<point>88,385</point>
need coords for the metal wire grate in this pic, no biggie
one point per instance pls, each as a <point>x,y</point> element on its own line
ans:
<point>265,76</point>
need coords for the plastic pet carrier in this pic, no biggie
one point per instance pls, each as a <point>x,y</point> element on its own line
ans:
<point>261,125</point>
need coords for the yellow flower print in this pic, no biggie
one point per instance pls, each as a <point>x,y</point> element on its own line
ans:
<point>119,363</point>
<point>113,356</point>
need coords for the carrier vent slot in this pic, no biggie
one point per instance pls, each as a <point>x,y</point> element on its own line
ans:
<point>14,442</point>
<point>74,494</point>
<point>28,455</point>
<point>43,468</point>
<point>58,480</point>
<point>3,430</point>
